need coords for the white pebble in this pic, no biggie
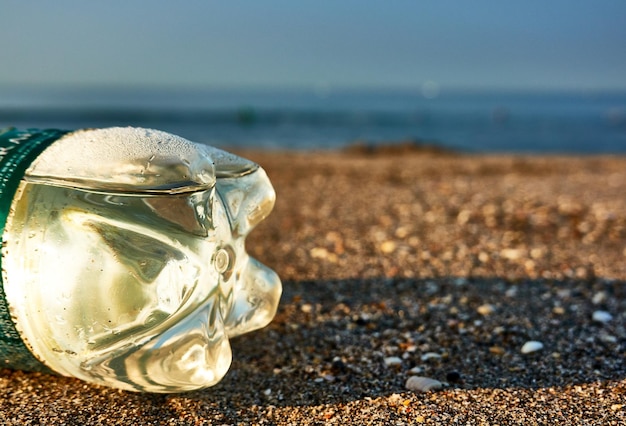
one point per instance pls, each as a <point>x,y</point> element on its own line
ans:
<point>393,361</point>
<point>532,346</point>
<point>607,338</point>
<point>423,384</point>
<point>599,297</point>
<point>602,316</point>
<point>511,292</point>
<point>430,355</point>
<point>416,370</point>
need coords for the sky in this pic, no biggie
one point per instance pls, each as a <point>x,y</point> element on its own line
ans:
<point>486,44</point>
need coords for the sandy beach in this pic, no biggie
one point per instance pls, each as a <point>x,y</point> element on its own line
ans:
<point>411,263</point>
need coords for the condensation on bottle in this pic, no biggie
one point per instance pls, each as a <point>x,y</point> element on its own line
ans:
<point>123,256</point>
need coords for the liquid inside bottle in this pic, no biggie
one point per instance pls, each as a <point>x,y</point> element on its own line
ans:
<point>125,260</point>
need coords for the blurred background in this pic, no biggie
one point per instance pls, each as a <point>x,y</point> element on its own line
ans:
<point>480,76</point>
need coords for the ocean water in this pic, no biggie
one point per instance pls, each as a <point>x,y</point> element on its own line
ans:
<point>470,121</point>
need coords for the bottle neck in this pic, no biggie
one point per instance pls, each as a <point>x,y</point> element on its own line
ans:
<point>18,149</point>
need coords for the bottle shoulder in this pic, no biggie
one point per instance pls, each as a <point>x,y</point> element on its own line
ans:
<point>126,159</point>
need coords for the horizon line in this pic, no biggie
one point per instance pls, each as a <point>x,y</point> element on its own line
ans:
<point>322,90</point>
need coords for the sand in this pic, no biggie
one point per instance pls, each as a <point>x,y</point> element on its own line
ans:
<point>411,263</point>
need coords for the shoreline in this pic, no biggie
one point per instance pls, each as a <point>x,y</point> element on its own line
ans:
<point>411,147</point>
<point>411,264</point>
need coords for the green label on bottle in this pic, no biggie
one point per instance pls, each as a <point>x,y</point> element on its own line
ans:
<point>18,149</point>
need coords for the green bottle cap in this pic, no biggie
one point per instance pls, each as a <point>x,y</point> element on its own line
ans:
<point>18,149</point>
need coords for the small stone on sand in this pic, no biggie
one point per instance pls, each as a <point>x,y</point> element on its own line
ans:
<point>602,316</point>
<point>486,309</point>
<point>531,346</point>
<point>430,355</point>
<point>423,384</point>
<point>393,361</point>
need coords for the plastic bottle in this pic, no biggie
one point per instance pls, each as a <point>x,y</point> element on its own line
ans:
<point>123,257</point>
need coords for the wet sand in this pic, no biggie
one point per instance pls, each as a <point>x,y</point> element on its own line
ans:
<point>411,263</point>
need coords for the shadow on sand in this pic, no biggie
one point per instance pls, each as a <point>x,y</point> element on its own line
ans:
<point>332,341</point>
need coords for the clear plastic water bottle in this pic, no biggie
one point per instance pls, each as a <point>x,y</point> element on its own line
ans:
<point>123,257</point>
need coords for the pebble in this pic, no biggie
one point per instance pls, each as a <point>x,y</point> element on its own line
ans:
<point>608,338</point>
<point>532,346</point>
<point>393,361</point>
<point>388,247</point>
<point>486,309</point>
<point>338,366</point>
<point>497,350</point>
<point>453,377</point>
<point>602,316</point>
<point>511,254</point>
<point>416,370</point>
<point>599,297</point>
<point>430,355</point>
<point>324,254</point>
<point>423,384</point>
<point>511,292</point>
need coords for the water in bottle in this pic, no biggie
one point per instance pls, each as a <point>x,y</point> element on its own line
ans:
<point>124,259</point>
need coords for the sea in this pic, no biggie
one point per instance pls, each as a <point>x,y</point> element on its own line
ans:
<point>472,121</point>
